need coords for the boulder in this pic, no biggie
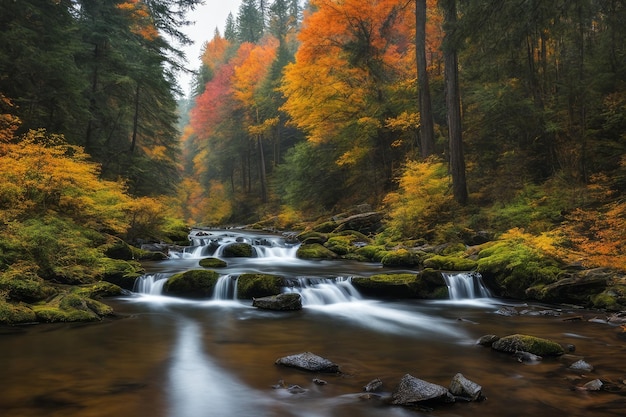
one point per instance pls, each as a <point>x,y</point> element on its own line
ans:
<point>487,340</point>
<point>194,283</point>
<point>250,286</point>
<point>369,222</point>
<point>238,250</point>
<point>582,366</point>
<point>212,263</point>
<point>280,302</point>
<point>308,361</point>
<point>413,391</point>
<point>464,388</point>
<point>315,251</point>
<point>524,343</point>
<point>373,385</point>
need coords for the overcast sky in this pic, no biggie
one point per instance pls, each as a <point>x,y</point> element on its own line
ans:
<point>207,17</point>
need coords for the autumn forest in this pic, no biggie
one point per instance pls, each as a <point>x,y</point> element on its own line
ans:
<point>450,117</point>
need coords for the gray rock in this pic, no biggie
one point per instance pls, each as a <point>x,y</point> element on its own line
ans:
<point>595,385</point>
<point>280,302</point>
<point>463,387</point>
<point>411,391</point>
<point>309,362</point>
<point>527,357</point>
<point>373,385</point>
<point>581,365</point>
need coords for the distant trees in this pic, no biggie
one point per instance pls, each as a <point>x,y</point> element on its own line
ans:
<point>102,74</point>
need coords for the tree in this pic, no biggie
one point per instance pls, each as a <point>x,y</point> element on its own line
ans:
<point>453,103</point>
<point>250,24</point>
<point>427,139</point>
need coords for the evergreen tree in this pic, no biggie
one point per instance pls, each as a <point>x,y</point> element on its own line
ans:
<point>250,25</point>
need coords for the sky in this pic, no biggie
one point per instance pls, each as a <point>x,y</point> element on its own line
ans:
<point>207,17</point>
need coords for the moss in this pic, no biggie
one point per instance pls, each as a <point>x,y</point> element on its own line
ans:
<point>311,237</point>
<point>120,272</point>
<point>26,287</point>
<point>391,285</point>
<point>341,245</point>
<point>374,253</point>
<point>511,268</point>
<point>612,299</point>
<point>238,250</point>
<point>16,313</point>
<point>212,263</point>
<point>197,283</point>
<point>71,307</point>
<point>119,250</point>
<point>450,263</point>
<point>525,343</point>
<point>259,285</point>
<point>454,248</point>
<point>325,227</point>
<point>99,290</point>
<point>400,257</point>
<point>315,251</point>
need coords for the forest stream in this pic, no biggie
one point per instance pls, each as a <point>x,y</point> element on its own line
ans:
<point>172,357</point>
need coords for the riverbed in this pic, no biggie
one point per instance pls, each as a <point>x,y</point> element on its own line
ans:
<point>168,357</point>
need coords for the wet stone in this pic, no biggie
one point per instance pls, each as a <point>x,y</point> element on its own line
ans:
<point>308,362</point>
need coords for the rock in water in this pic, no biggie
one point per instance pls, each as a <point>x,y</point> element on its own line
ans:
<point>582,366</point>
<point>308,362</point>
<point>411,391</point>
<point>373,385</point>
<point>280,302</point>
<point>463,387</point>
<point>525,343</point>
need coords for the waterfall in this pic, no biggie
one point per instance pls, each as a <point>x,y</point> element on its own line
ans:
<point>320,291</point>
<point>205,243</point>
<point>150,284</point>
<point>465,285</point>
<point>225,288</point>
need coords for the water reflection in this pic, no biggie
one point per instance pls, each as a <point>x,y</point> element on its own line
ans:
<point>197,385</point>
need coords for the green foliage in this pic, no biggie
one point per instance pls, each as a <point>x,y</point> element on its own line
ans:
<point>20,282</point>
<point>259,285</point>
<point>400,257</point>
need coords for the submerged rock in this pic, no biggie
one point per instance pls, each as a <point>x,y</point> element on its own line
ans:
<point>524,343</point>
<point>464,388</point>
<point>487,340</point>
<point>280,302</point>
<point>581,365</point>
<point>412,391</point>
<point>373,385</point>
<point>309,362</point>
<point>527,357</point>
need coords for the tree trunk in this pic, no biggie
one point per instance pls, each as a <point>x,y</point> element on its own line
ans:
<point>453,104</point>
<point>427,131</point>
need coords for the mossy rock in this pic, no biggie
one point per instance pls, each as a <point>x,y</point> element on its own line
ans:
<point>99,290</point>
<point>259,285</point>
<point>612,299</point>
<point>71,307</point>
<point>400,257</point>
<point>121,273</point>
<point>341,245</point>
<point>315,251</point>
<point>16,313</point>
<point>510,268</point>
<point>325,227</point>
<point>119,250</point>
<point>373,253</point>
<point>28,288</point>
<point>311,237</point>
<point>238,250</point>
<point>212,263</point>
<point>391,285</point>
<point>525,343</point>
<point>450,263</point>
<point>196,283</point>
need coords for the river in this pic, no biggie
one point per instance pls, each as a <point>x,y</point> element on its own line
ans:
<point>170,357</point>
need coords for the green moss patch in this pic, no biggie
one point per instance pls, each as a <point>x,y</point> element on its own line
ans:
<point>450,263</point>
<point>197,283</point>
<point>213,263</point>
<point>315,251</point>
<point>238,250</point>
<point>400,257</point>
<point>525,343</point>
<point>16,313</point>
<point>259,285</point>
<point>121,273</point>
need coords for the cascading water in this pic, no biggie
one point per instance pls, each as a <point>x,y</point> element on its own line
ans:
<point>226,288</point>
<point>320,291</point>
<point>151,284</point>
<point>465,285</point>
